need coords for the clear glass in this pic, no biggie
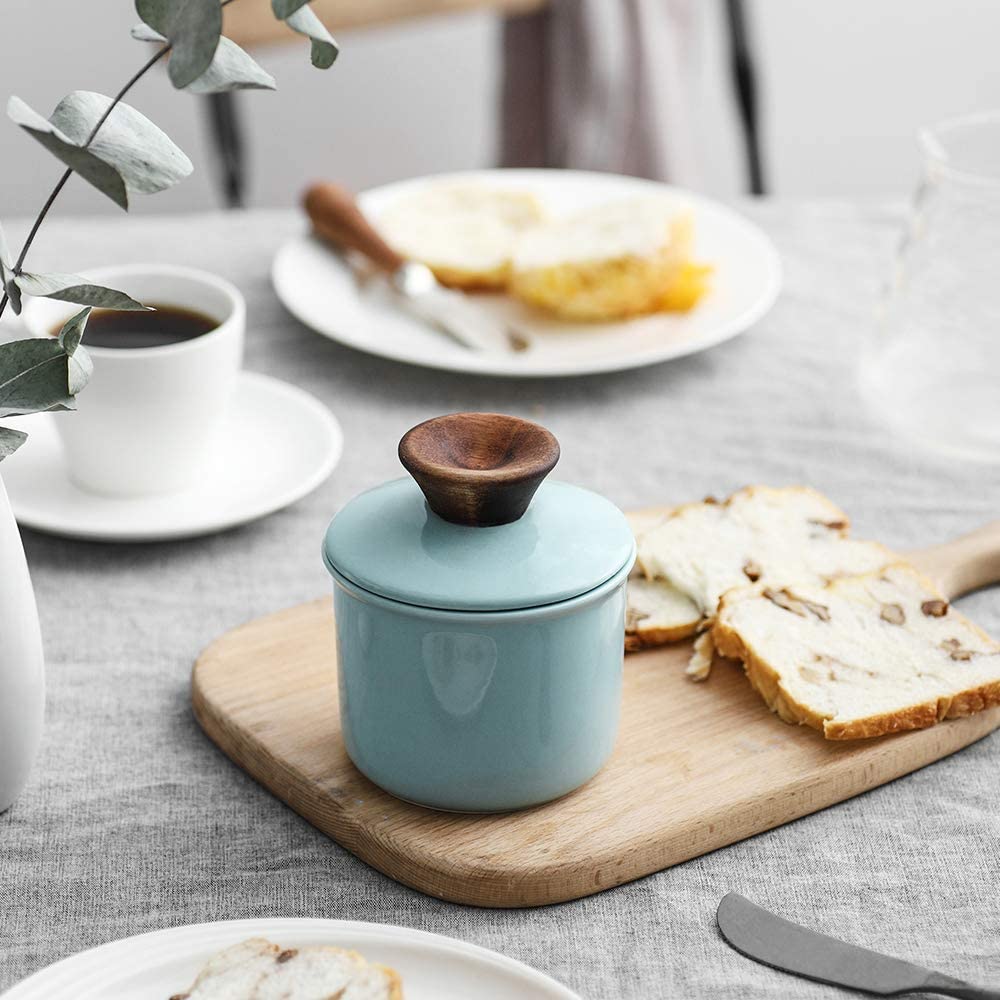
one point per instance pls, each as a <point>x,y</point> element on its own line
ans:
<point>932,368</point>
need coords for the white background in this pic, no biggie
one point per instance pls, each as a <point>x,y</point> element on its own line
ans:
<point>845,84</point>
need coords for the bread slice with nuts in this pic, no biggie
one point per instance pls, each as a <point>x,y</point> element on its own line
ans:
<point>692,555</point>
<point>260,970</point>
<point>657,611</point>
<point>859,656</point>
<point>767,534</point>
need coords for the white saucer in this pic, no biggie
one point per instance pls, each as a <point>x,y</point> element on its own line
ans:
<point>278,444</point>
<point>164,963</point>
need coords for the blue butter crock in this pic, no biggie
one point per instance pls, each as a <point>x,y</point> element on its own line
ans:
<point>480,620</point>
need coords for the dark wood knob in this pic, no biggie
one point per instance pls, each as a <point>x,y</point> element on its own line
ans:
<point>479,469</point>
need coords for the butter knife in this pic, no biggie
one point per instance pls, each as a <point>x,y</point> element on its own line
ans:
<point>337,219</point>
<point>781,944</point>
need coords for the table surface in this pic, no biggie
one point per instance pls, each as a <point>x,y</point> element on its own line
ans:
<point>133,821</point>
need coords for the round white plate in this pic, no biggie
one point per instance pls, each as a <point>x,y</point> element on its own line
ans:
<point>278,444</point>
<point>164,963</point>
<point>318,288</point>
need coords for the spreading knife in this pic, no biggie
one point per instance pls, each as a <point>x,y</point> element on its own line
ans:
<point>338,220</point>
<point>781,944</point>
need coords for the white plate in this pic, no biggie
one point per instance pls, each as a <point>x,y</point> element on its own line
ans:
<point>279,443</point>
<point>319,290</point>
<point>161,964</point>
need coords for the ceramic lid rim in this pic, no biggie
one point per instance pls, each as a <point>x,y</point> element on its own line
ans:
<point>553,558</point>
<point>473,613</point>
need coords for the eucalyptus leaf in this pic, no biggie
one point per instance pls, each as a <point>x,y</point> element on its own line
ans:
<point>129,154</point>
<point>7,283</point>
<point>6,261</point>
<point>73,288</point>
<point>144,33</point>
<point>36,376</point>
<point>85,162</point>
<point>232,69</point>
<point>10,441</point>
<point>324,48</point>
<point>193,28</point>
<point>81,367</point>
<point>141,152</point>
<point>285,8</point>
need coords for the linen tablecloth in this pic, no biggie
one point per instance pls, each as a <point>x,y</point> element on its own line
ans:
<point>134,821</point>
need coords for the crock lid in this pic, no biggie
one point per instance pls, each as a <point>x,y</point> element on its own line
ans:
<point>472,534</point>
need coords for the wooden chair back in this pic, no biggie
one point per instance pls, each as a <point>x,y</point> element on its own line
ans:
<point>250,22</point>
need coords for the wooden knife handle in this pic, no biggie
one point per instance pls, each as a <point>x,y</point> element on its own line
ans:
<point>336,218</point>
<point>964,564</point>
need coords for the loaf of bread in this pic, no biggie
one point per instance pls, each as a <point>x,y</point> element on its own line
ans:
<point>612,262</point>
<point>259,970</point>
<point>859,656</point>
<point>464,233</point>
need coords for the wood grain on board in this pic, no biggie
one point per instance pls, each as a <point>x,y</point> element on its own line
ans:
<point>696,766</point>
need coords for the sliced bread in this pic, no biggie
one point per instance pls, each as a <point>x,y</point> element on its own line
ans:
<point>772,535</point>
<point>611,262</point>
<point>658,612</point>
<point>259,970</point>
<point>464,233</point>
<point>859,656</point>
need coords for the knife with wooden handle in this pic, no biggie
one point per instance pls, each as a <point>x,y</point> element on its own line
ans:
<point>781,944</point>
<point>338,220</point>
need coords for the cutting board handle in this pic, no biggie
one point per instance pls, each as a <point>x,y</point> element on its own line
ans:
<point>963,564</point>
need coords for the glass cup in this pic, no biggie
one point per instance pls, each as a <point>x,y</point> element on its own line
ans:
<point>932,369</point>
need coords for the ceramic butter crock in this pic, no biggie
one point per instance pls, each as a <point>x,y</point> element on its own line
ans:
<point>480,620</point>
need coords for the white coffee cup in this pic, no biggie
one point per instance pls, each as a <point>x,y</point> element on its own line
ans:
<point>149,419</point>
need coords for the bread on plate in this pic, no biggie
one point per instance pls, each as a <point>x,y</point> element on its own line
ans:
<point>618,260</point>
<point>465,233</point>
<point>257,969</point>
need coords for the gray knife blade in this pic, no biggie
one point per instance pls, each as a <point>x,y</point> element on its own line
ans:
<point>761,935</point>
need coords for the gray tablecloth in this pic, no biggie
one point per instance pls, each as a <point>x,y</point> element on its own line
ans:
<point>134,821</point>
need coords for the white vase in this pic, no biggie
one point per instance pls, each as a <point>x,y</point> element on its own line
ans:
<point>22,667</point>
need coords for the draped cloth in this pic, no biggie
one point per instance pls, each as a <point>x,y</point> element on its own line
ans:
<point>602,85</point>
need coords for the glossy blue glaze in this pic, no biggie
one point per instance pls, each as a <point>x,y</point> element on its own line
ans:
<point>389,542</point>
<point>479,711</point>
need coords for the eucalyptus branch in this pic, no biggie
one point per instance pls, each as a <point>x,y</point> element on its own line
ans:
<point>133,157</point>
<point>19,263</point>
<point>61,183</point>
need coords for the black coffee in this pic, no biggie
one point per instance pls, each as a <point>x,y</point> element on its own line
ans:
<point>168,325</point>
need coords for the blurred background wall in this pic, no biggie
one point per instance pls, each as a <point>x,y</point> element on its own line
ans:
<point>844,84</point>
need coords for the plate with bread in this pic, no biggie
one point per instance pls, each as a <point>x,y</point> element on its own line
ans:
<point>304,959</point>
<point>594,272</point>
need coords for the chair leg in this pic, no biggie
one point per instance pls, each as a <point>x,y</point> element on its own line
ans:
<point>227,137</point>
<point>744,76</point>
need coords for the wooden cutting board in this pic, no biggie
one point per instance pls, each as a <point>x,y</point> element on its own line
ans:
<point>696,767</point>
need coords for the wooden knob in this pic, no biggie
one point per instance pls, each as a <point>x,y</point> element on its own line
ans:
<point>478,469</point>
<point>336,218</point>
